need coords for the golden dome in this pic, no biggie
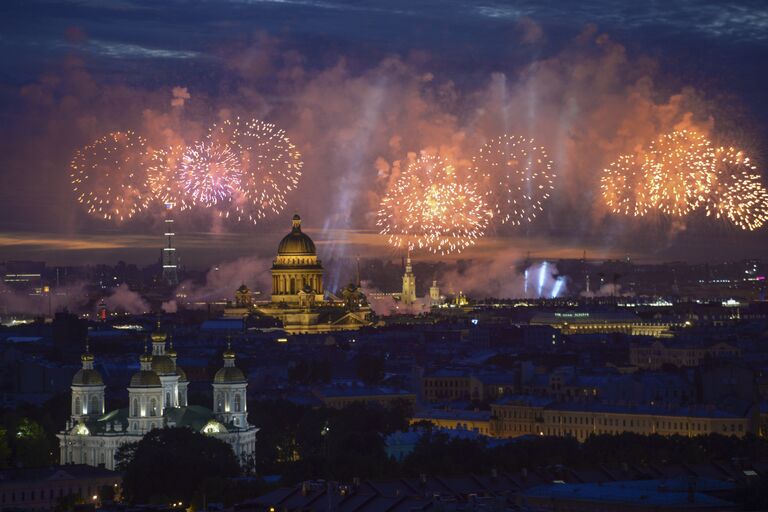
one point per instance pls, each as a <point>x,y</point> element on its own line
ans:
<point>163,365</point>
<point>159,336</point>
<point>182,374</point>
<point>296,243</point>
<point>229,374</point>
<point>87,377</point>
<point>145,379</point>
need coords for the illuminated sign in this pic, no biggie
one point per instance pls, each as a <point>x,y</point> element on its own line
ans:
<point>572,315</point>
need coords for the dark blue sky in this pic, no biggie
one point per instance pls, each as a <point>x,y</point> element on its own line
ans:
<point>717,48</point>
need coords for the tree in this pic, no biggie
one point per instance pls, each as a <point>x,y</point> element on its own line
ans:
<point>31,445</point>
<point>175,464</point>
<point>5,449</point>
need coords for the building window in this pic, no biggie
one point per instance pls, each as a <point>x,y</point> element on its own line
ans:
<point>95,407</point>
<point>135,407</point>
<point>238,405</point>
<point>78,406</point>
<point>153,407</point>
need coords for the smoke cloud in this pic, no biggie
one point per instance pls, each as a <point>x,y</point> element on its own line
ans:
<point>222,280</point>
<point>125,300</point>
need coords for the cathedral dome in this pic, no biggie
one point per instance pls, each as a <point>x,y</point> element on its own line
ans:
<point>87,377</point>
<point>229,374</point>
<point>163,365</point>
<point>145,379</point>
<point>296,243</point>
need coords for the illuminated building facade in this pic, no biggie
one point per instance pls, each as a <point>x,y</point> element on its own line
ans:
<point>408,295</point>
<point>526,415</point>
<point>298,293</point>
<point>586,322</point>
<point>157,398</point>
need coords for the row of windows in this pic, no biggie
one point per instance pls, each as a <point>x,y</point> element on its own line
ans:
<point>32,495</point>
<point>95,406</point>
<point>237,406</point>
<point>675,426</point>
<point>445,383</point>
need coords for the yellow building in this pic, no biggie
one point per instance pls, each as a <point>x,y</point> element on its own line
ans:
<point>525,415</point>
<point>471,421</point>
<point>298,293</point>
<point>585,322</point>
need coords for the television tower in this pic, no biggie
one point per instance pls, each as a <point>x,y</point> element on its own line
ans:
<point>170,261</point>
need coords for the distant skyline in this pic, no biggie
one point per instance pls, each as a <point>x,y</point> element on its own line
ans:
<point>360,86</point>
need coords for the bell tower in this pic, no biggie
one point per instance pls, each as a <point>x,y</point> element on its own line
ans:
<point>409,283</point>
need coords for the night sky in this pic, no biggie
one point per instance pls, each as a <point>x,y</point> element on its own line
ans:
<point>360,85</point>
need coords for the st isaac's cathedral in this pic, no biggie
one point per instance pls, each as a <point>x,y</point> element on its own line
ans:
<point>157,397</point>
<point>299,299</point>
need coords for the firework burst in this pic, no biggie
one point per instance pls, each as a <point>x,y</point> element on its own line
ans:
<point>270,163</point>
<point>109,176</point>
<point>163,176</point>
<point>209,174</point>
<point>516,176</point>
<point>737,193</point>
<point>679,172</point>
<point>430,207</point>
<point>624,187</point>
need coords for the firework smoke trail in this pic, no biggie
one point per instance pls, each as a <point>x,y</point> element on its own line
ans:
<point>431,207</point>
<point>737,193</point>
<point>210,174</point>
<point>516,176</point>
<point>679,172</point>
<point>542,276</point>
<point>624,187</point>
<point>270,165</point>
<point>109,176</point>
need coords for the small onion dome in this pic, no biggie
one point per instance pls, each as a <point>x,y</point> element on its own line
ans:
<point>145,379</point>
<point>243,289</point>
<point>163,365</point>
<point>158,336</point>
<point>87,358</point>
<point>182,374</point>
<point>229,375</point>
<point>296,243</point>
<point>145,358</point>
<point>87,377</point>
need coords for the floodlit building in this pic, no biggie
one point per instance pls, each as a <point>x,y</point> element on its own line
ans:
<point>157,398</point>
<point>298,294</point>
<point>409,284</point>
